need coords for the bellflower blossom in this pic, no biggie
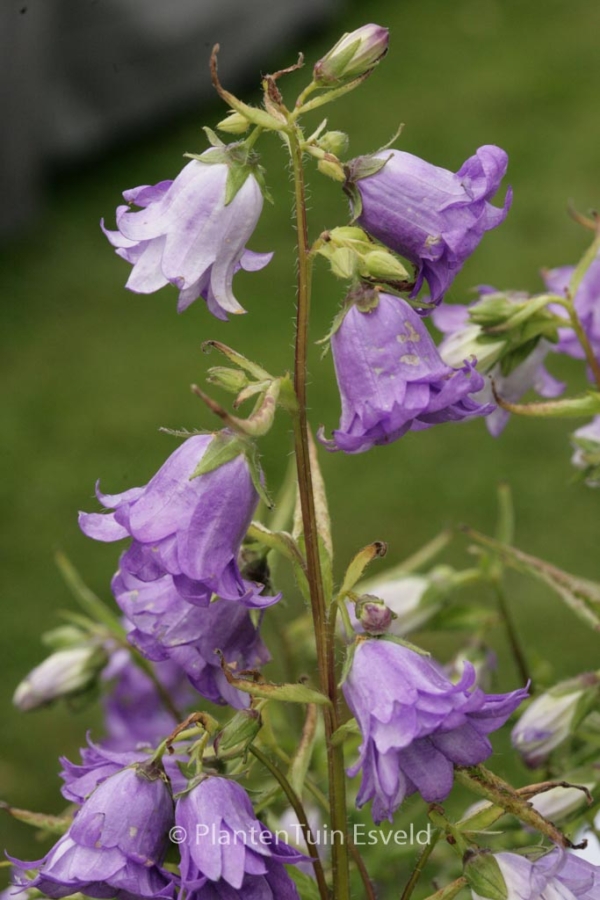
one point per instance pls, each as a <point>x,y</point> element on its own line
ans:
<point>392,379</point>
<point>190,528</point>
<point>587,307</point>
<point>431,216</point>
<point>453,322</point>
<point>186,235</point>
<point>226,847</point>
<point>557,874</point>
<point>167,627</point>
<point>416,724</point>
<point>116,843</point>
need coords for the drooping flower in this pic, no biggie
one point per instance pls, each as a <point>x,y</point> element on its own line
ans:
<point>587,306</point>
<point>187,235</point>
<point>391,377</point>
<point>167,627</point>
<point>134,710</point>
<point>116,843</point>
<point>556,874</point>
<point>416,725</point>
<point>226,847</point>
<point>431,216</point>
<point>184,526</point>
<point>463,338</point>
<point>551,718</point>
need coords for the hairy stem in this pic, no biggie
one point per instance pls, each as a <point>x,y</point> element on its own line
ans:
<point>420,865</point>
<point>323,635</point>
<point>512,634</point>
<point>579,330</point>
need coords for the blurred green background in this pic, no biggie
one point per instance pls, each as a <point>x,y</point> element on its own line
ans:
<point>89,371</point>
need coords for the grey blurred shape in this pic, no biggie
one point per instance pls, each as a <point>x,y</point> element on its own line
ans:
<point>78,75</point>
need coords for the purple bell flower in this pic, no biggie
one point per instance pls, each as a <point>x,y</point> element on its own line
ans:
<point>134,711</point>
<point>226,847</point>
<point>431,216</point>
<point>556,875</point>
<point>392,378</point>
<point>191,528</point>
<point>184,234</point>
<point>116,843</point>
<point>167,627</point>
<point>416,724</point>
<point>587,306</point>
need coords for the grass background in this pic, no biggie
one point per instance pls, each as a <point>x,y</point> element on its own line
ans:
<point>90,371</point>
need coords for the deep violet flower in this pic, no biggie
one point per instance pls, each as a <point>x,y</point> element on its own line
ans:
<point>587,306</point>
<point>191,528</point>
<point>432,217</point>
<point>227,847</point>
<point>416,724</point>
<point>558,874</point>
<point>186,235</point>
<point>392,379</point>
<point>116,843</point>
<point>167,627</point>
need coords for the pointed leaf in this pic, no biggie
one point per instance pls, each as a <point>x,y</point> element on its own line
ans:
<point>358,565</point>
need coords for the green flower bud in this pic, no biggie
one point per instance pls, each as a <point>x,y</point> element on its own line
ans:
<point>234,123</point>
<point>232,380</point>
<point>354,55</point>
<point>335,142</point>
<point>484,875</point>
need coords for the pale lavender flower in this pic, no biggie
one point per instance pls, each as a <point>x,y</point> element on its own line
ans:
<point>116,843</point>
<point>587,306</point>
<point>226,847</point>
<point>190,528</point>
<point>392,379</point>
<point>65,673</point>
<point>167,627</point>
<point>431,216</point>
<point>416,724</point>
<point>556,875</point>
<point>186,235</point>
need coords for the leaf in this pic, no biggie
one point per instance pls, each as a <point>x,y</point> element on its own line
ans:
<point>87,599</point>
<point>576,592</point>
<point>358,565</point>
<point>268,690</point>
<point>42,821</point>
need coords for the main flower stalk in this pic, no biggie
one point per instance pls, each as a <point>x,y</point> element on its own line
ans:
<point>324,636</point>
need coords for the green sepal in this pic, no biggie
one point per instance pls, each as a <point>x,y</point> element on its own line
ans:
<point>252,458</point>
<point>398,640</point>
<point>238,733</point>
<point>349,729</point>
<point>268,690</point>
<point>222,449</point>
<point>236,178</point>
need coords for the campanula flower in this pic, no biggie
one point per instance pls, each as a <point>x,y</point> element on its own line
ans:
<point>392,378</point>
<point>432,217</point>
<point>555,875</point>
<point>186,234</point>
<point>416,725</point>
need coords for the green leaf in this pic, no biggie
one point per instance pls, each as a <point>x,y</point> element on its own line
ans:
<point>268,690</point>
<point>222,449</point>
<point>358,565</point>
<point>579,594</point>
<point>87,599</point>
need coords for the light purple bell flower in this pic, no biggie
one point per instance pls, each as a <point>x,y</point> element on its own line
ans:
<point>134,711</point>
<point>587,306</point>
<point>393,380</point>
<point>191,528</point>
<point>432,217</point>
<point>185,235</point>
<point>558,874</point>
<point>531,374</point>
<point>227,849</point>
<point>416,725</point>
<point>167,627</point>
<point>116,843</point>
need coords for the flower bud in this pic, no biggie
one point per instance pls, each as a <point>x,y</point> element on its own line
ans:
<point>586,458</point>
<point>355,54</point>
<point>383,266</point>
<point>485,876</point>
<point>332,168</point>
<point>334,142</point>
<point>234,123</point>
<point>62,674</point>
<point>552,718</point>
<point>372,613</point>
<point>232,380</point>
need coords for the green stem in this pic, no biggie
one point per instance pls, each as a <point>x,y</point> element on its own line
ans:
<point>513,636</point>
<point>296,805</point>
<point>420,865</point>
<point>579,330</point>
<point>323,636</point>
